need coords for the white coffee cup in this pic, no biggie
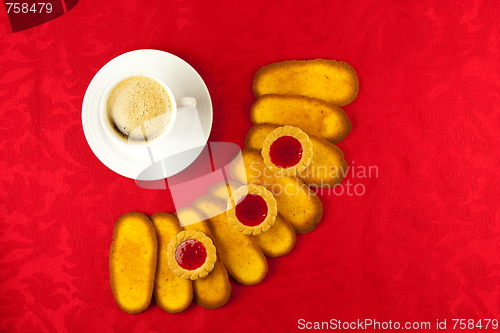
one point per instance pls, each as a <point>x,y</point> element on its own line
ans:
<point>134,133</point>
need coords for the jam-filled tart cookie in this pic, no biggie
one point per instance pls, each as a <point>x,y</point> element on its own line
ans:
<point>287,151</point>
<point>252,209</point>
<point>191,254</point>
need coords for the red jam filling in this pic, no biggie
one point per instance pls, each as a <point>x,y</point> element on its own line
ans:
<point>190,254</point>
<point>252,210</point>
<point>285,152</point>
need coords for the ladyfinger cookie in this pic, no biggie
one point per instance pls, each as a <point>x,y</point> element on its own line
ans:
<point>275,242</point>
<point>249,168</point>
<point>214,290</point>
<point>223,190</point>
<point>172,293</point>
<point>243,259</point>
<point>296,202</point>
<point>278,240</point>
<point>332,81</point>
<point>132,262</point>
<point>327,167</point>
<point>314,116</point>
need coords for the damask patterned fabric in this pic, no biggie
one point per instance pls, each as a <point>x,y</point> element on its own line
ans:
<point>412,235</point>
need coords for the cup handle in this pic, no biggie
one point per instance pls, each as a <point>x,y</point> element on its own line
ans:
<point>185,101</point>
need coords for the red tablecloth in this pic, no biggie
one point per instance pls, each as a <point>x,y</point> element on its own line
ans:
<point>417,242</point>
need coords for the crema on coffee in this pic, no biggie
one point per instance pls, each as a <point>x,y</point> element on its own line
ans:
<point>139,108</point>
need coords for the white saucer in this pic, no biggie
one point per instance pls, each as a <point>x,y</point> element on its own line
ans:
<point>182,79</point>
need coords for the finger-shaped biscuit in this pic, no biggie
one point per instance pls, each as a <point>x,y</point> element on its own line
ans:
<point>278,240</point>
<point>248,168</point>
<point>329,80</point>
<point>314,116</point>
<point>214,290</point>
<point>327,167</point>
<point>172,293</point>
<point>132,262</point>
<point>296,202</point>
<point>242,258</point>
<point>275,242</point>
<point>223,190</point>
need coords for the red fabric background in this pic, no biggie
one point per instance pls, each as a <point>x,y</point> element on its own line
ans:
<point>422,242</point>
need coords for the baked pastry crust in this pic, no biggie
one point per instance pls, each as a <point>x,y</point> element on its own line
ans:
<point>272,209</point>
<point>243,259</point>
<point>299,205</point>
<point>330,80</point>
<point>199,272</point>
<point>171,292</point>
<point>314,116</point>
<point>132,262</point>
<point>214,290</point>
<point>328,166</point>
<point>307,150</point>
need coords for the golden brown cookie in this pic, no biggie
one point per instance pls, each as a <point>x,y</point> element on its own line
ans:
<point>277,241</point>
<point>132,262</point>
<point>191,254</point>
<point>172,293</point>
<point>314,116</point>
<point>248,168</point>
<point>223,190</point>
<point>332,81</point>
<point>287,151</point>
<point>252,209</point>
<point>242,258</point>
<point>296,202</point>
<point>327,167</point>
<point>214,290</point>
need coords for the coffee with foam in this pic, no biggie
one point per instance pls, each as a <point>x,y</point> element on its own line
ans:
<point>139,108</point>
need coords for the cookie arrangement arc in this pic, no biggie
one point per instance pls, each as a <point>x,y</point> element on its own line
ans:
<point>242,256</point>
